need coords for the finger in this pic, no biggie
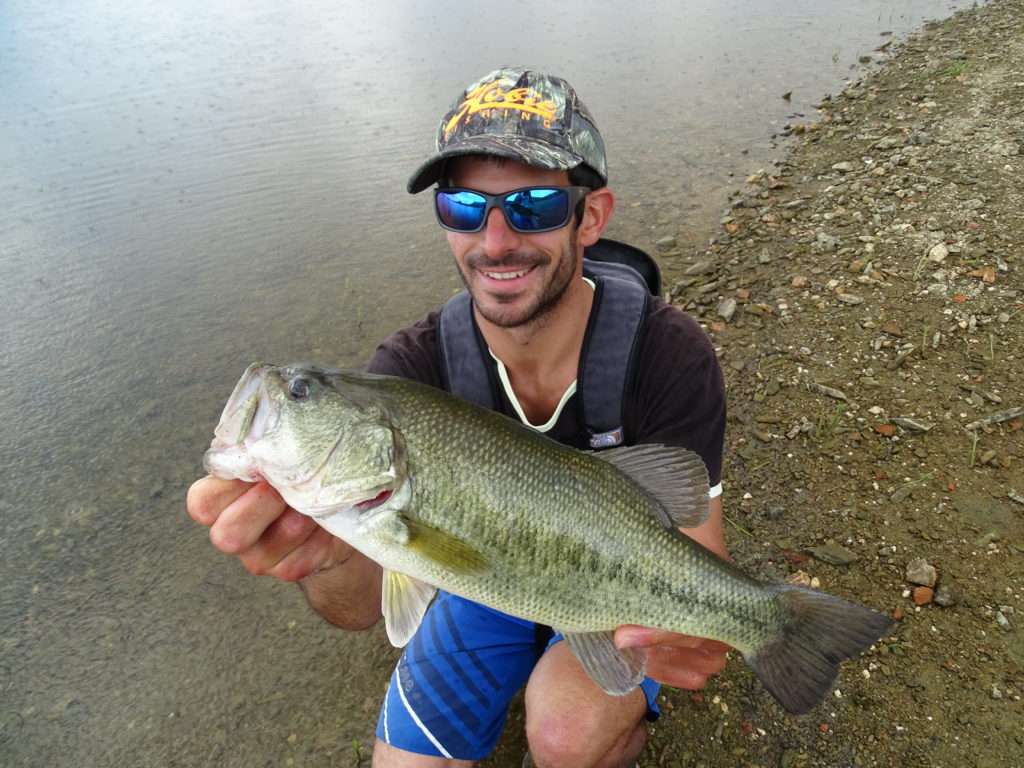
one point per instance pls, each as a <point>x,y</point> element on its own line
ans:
<point>209,496</point>
<point>687,668</point>
<point>633,636</point>
<point>290,531</point>
<point>715,646</point>
<point>242,523</point>
<point>313,554</point>
<point>694,659</point>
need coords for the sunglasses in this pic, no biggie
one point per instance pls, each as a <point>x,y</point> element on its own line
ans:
<point>528,210</point>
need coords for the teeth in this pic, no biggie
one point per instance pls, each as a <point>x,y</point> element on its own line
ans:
<point>506,275</point>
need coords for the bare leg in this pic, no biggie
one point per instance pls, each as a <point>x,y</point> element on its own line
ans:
<point>386,756</point>
<point>571,721</point>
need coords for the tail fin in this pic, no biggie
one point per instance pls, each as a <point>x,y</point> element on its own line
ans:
<point>799,664</point>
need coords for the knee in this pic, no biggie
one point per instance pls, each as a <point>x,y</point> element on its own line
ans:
<point>565,739</point>
<point>557,740</point>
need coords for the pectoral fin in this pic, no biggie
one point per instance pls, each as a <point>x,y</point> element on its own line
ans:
<point>617,671</point>
<point>446,550</point>
<point>403,601</point>
<point>675,477</point>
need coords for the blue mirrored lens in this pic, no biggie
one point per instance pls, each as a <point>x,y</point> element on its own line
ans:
<point>461,210</point>
<point>534,209</point>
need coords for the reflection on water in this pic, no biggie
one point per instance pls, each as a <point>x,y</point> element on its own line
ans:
<point>191,186</point>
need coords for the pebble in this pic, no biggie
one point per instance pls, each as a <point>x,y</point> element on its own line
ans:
<point>888,143</point>
<point>727,308</point>
<point>844,167</point>
<point>833,554</point>
<point>938,253</point>
<point>923,595</point>
<point>666,243</point>
<point>702,267</point>
<point>945,595</point>
<point>826,241</point>
<point>920,571</point>
<point>849,298</point>
<point>1003,622</point>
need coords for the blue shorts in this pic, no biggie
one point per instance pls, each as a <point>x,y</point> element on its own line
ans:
<point>450,693</point>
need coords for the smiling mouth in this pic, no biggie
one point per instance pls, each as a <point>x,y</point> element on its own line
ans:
<point>506,275</point>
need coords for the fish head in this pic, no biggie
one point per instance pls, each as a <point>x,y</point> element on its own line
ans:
<point>323,445</point>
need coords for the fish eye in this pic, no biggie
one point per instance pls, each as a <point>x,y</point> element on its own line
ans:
<point>298,388</point>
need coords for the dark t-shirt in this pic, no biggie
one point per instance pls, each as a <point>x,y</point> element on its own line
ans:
<point>677,397</point>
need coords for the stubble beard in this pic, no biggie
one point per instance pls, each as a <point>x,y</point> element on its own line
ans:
<point>538,310</point>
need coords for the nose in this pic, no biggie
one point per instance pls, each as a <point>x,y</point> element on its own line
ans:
<point>499,237</point>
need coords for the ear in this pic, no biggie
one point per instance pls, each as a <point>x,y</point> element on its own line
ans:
<point>598,211</point>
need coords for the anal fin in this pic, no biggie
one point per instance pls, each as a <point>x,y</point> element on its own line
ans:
<point>617,671</point>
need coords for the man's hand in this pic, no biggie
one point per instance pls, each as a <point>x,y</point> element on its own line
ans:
<point>678,660</point>
<point>252,522</point>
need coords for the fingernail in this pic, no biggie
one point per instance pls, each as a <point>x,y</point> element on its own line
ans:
<point>625,640</point>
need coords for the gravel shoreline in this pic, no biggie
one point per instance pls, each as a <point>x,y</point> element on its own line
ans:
<point>865,297</point>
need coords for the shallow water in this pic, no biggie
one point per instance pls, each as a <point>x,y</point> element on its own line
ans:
<point>187,187</point>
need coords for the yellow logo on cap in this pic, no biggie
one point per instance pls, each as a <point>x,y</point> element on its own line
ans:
<point>490,96</point>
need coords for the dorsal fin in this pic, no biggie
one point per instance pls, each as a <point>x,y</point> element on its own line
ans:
<point>675,477</point>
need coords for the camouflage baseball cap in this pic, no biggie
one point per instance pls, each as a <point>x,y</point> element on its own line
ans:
<point>520,114</point>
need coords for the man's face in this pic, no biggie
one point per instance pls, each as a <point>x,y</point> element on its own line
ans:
<point>514,278</point>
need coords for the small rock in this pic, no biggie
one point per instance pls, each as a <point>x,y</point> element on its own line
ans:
<point>987,456</point>
<point>938,253</point>
<point>776,512</point>
<point>945,595</point>
<point>903,493</point>
<point>727,308</point>
<point>844,167</point>
<point>996,693</point>
<point>987,538</point>
<point>833,554</point>
<point>666,243</point>
<point>1005,148</point>
<point>799,282</point>
<point>923,595</point>
<point>911,424</point>
<point>700,268</point>
<point>849,298</point>
<point>1003,622</point>
<point>826,241</point>
<point>920,571</point>
<point>888,143</point>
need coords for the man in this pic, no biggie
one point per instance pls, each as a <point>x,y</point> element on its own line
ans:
<point>522,191</point>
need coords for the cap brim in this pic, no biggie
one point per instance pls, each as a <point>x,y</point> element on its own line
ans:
<point>533,152</point>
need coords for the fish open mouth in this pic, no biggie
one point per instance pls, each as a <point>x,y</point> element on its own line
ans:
<point>247,412</point>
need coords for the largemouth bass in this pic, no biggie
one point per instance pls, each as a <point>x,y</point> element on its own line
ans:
<point>445,494</point>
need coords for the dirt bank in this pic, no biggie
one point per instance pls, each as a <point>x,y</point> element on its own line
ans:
<point>865,294</point>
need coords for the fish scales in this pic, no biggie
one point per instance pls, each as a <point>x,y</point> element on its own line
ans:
<point>594,568</point>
